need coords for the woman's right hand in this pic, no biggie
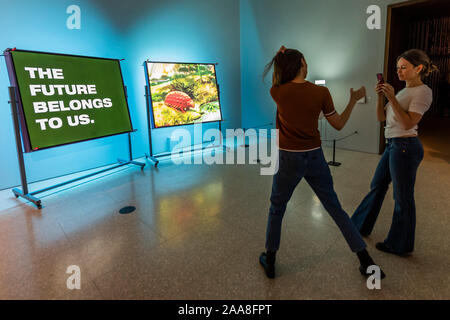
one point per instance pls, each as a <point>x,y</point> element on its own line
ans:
<point>381,113</point>
<point>379,89</point>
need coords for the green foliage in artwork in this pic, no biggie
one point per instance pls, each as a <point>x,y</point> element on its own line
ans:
<point>172,118</point>
<point>159,96</point>
<point>186,85</point>
<point>210,107</point>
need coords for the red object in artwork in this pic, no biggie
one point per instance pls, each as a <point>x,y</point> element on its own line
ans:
<point>179,101</point>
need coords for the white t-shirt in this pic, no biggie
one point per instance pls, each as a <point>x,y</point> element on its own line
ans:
<point>416,99</point>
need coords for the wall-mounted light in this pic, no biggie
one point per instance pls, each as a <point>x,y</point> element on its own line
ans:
<point>320,82</point>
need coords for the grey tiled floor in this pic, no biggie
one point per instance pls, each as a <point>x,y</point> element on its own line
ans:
<point>198,231</point>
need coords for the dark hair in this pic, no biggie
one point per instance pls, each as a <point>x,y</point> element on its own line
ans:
<point>286,66</point>
<point>417,57</point>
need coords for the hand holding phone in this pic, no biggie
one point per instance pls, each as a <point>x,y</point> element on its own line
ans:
<point>378,87</point>
<point>380,78</point>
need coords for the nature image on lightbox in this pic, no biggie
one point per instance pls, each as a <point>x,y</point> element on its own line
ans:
<point>183,93</point>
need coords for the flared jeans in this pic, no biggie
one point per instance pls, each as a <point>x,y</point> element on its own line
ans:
<point>398,164</point>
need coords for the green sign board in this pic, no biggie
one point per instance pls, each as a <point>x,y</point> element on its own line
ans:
<point>66,98</point>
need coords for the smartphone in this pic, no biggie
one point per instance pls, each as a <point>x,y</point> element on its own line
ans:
<point>380,78</point>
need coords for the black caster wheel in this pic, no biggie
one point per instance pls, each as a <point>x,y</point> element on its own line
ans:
<point>156,164</point>
<point>39,206</point>
<point>16,195</point>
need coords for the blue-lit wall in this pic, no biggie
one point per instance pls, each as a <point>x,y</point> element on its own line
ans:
<point>240,35</point>
<point>202,31</point>
<point>187,31</point>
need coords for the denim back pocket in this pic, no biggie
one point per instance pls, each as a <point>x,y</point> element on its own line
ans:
<point>401,147</point>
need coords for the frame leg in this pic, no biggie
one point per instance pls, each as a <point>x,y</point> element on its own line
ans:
<point>29,197</point>
<point>152,158</point>
<point>137,163</point>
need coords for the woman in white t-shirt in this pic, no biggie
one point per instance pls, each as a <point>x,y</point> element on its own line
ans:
<point>402,155</point>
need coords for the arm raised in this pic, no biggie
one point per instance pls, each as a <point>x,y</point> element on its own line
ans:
<point>337,120</point>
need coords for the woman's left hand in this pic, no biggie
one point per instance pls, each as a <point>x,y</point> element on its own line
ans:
<point>388,91</point>
<point>358,94</point>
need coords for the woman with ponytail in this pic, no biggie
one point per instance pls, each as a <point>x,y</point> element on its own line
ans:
<point>299,104</point>
<point>402,155</point>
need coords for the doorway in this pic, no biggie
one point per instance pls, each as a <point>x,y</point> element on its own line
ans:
<point>424,25</point>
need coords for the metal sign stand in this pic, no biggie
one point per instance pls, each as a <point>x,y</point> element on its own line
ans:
<point>24,193</point>
<point>334,163</point>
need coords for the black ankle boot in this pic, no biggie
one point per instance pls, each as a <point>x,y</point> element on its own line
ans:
<point>267,260</point>
<point>385,248</point>
<point>366,261</point>
<point>363,270</point>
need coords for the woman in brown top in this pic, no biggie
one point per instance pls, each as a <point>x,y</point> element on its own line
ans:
<point>299,104</point>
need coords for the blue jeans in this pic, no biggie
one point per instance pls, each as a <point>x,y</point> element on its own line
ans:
<point>398,164</point>
<point>311,165</point>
